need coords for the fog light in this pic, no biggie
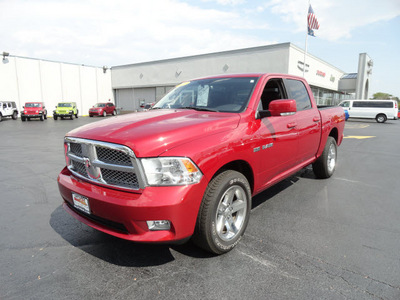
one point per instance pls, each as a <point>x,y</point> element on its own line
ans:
<point>158,225</point>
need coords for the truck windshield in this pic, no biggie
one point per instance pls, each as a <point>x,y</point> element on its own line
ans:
<point>32,105</point>
<point>64,105</point>
<point>230,94</point>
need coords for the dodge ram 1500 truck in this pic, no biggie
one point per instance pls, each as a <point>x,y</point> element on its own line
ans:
<point>190,166</point>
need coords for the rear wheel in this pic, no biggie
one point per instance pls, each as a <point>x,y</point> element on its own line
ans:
<point>41,118</point>
<point>325,165</point>
<point>114,112</point>
<point>224,213</point>
<point>14,115</point>
<point>381,118</point>
<point>1,117</point>
<point>104,114</point>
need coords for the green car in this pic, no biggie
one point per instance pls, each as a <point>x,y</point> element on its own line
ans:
<point>65,109</point>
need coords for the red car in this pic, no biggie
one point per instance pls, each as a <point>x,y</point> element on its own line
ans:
<point>190,165</point>
<point>34,110</point>
<point>103,109</point>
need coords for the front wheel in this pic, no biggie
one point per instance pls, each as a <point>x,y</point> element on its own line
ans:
<point>104,114</point>
<point>114,112</point>
<point>224,213</point>
<point>325,165</point>
<point>14,115</point>
<point>55,117</point>
<point>41,117</point>
<point>380,118</point>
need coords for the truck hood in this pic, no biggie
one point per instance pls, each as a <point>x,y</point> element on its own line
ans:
<point>151,133</point>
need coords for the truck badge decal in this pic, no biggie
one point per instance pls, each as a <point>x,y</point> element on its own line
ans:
<point>267,146</point>
<point>90,169</point>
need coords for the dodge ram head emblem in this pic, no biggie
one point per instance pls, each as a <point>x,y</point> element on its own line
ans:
<point>92,171</point>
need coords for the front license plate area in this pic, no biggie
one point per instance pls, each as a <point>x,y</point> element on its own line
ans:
<point>81,203</point>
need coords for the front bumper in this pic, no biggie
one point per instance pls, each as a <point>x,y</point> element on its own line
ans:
<point>95,113</point>
<point>63,114</point>
<point>31,115</point>
<point>124,214</point>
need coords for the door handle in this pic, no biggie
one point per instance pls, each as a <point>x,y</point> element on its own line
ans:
<point>291,125</point>
<point>316,119</point>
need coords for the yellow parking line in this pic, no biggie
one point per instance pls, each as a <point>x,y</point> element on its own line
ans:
<point>359,137</point>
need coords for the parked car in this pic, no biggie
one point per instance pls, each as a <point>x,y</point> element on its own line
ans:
<point>380,110</point>
<point>103,109</point>
<point>8,109</point>
<point>65,109</point>
<point>146,106</point>
<point>33,110</point>
<point>182,171</point>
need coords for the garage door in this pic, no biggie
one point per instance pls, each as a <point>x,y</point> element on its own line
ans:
<point>124,99</point>
<point>130,99</point>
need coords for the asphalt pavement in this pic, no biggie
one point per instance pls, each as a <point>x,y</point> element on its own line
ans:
<point>307,238</point>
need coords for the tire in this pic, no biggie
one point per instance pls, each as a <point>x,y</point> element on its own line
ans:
<point>381,118</point>
<point>41,118</point>
<point>55,117</point>
<point>23,119</point>
<point>224,213</point>
<point>71,117</point>
<point>114,112</point>
<point>104,114</point>
<point>76,115</point>
<point>45,116</point>
<point>14,115</point>
<point>1,117</point>
<point>325,165</point>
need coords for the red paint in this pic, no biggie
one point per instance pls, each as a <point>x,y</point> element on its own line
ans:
<point>273,148</point>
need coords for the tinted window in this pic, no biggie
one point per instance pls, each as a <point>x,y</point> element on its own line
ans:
<point>373,104</point>
<point>345,104</point>
<point>229,94</point>
<point>298,92</point>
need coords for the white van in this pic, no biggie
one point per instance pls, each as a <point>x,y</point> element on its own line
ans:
<point>380,110</point>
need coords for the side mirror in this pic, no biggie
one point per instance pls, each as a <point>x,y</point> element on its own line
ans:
<point>23,106</point>
<point>282,107</point>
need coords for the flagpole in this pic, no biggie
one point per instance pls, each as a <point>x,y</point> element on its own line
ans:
<point>305,52</point>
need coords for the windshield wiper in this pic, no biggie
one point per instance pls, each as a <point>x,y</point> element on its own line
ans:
<point>198,108</point>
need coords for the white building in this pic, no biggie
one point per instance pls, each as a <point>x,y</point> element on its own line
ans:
<point>27,79</point>
<point>148,82</point>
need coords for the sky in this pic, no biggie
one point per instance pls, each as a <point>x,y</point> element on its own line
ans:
<point>120,32</point>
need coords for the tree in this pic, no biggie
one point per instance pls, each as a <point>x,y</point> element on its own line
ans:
<point>382,96</point>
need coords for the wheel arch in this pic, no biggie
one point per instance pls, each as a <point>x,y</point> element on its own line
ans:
<point>240,166</point>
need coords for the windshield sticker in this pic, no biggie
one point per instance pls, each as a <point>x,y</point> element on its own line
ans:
<point>202,95</point>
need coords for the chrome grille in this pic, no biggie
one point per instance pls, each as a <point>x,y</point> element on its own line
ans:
<point>125,179</point>
<point>104,163</point>
<point>76,149</point>
<point>113,156</point>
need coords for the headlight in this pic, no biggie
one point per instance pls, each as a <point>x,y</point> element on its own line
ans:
<point>170,171</point>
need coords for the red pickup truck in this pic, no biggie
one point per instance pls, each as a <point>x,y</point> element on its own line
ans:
<point>190,166</point>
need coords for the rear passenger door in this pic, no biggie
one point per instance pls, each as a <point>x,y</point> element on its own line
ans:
<point>308,120</point>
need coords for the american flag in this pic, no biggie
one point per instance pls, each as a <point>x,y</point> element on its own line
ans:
<point>312,21</point>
